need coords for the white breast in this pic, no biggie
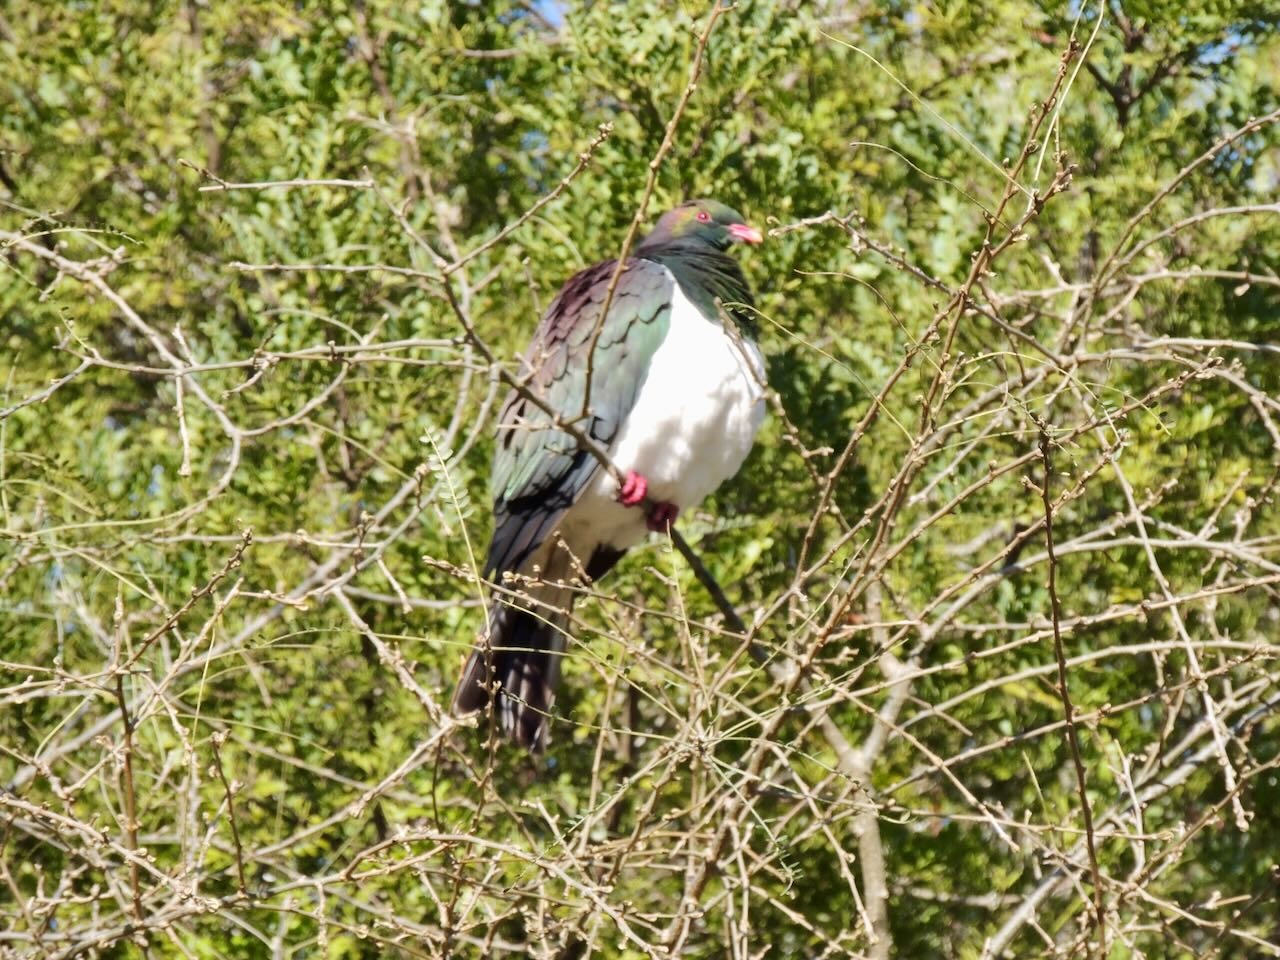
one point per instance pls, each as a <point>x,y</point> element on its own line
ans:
<point>693,423</point>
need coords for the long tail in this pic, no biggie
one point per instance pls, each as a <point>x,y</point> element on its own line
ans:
<point>520,652</point>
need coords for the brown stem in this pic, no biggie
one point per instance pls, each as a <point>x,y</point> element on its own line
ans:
<point>217,741</point>
<point>1068,711</point>
<point>668,139</point>
<point>130,798</point>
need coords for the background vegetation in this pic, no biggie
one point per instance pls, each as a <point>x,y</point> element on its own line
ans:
<point>261,262</point>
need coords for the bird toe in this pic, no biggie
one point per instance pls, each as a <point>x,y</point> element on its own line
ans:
<point>662,516</point>
<point>634,489</point>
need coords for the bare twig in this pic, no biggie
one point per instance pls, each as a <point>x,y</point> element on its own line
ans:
<point>216,742</point>
<point>668,141</point>
<point>1068,711</point>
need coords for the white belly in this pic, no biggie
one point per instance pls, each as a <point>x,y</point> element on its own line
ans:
<point>693,423</point>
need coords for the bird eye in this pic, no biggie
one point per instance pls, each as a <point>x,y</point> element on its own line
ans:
<point>704,216</point>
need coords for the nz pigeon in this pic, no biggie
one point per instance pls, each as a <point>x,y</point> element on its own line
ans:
<point>675,398</point>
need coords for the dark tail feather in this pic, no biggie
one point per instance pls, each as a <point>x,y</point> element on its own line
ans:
<point>520,652</point>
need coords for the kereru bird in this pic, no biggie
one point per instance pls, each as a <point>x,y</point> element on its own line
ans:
<point>676,398</point>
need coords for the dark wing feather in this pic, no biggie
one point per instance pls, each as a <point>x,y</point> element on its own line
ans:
<point>538,469</point>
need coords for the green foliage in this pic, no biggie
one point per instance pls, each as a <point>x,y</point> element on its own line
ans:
<point>188,355</point>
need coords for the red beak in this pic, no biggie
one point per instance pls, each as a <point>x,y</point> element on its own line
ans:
<point>740,231</point>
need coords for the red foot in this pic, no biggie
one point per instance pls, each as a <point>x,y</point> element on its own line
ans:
<point>634,489</point>
<point>662,517</point>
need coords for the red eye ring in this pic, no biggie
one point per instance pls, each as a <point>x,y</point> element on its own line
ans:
<point>704,216</point>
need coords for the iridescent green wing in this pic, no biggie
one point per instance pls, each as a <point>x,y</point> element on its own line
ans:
<point>538,469</point>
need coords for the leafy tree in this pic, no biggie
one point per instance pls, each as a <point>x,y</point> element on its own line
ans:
<point>264,267</point>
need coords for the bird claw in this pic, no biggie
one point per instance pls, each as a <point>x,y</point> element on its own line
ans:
<point>662,517</point>
<point>634,489</point>
<point>632,493</point>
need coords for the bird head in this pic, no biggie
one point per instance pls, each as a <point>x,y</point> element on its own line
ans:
<point>703,220</point>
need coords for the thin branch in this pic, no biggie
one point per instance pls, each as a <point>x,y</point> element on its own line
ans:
<point>584,161</point>
<point>668,141</point>
<point>1068,711</point>
<point>130,794</point>
<point>216,741</point>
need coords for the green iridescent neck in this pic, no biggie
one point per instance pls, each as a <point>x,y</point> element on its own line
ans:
<point>706,275</point>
